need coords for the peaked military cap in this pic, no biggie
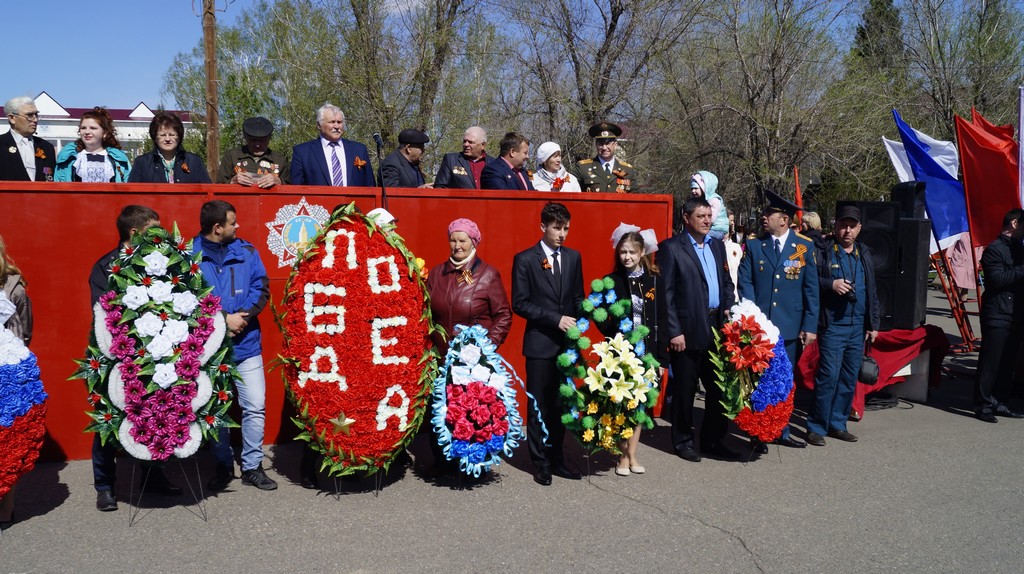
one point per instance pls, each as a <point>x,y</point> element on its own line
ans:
<point>779,204</point>
<point>605,130</point>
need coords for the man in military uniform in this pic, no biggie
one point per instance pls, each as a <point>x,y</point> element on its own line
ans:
<point>254,164</point>
<point>779,274</point>
<point>605,172</point>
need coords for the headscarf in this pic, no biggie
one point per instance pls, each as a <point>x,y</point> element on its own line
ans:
<point>468,227</point>
<point>544,152</point>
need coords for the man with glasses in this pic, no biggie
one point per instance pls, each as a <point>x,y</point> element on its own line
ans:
<point>23,156</point>
<point>605,172</point>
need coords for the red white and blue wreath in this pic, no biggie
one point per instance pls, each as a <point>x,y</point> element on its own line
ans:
<point>158,369</point>
<point>22,410</point>
<point>475,412</point>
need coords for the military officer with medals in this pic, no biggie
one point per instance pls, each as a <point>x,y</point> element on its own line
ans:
<point>778,273</point>
<point>254,164</point>
<point>605,172</point>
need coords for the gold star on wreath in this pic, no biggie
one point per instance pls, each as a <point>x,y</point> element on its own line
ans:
<point>342,423</point>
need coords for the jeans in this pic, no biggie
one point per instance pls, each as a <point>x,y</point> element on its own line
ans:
<point>841,350</point>
<point>252,397</point>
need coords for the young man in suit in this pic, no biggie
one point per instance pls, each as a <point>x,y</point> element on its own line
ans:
<point>699,294</point>
<point>463,170</point>
<point>402,167</point>
<point>331,159</point>
<point>547,289</point>
<point>507,171</point>
<point>779,273</point>
<point>23,156</point>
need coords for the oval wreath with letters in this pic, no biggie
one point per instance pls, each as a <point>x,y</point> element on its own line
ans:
<point>357,356</point>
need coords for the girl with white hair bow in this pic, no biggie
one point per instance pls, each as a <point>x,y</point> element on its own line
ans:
<point>551,175</point>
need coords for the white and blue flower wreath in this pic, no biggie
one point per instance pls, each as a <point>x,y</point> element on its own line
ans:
<point>475,458</point>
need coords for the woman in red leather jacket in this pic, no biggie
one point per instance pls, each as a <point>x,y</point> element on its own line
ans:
<point>466,291</point>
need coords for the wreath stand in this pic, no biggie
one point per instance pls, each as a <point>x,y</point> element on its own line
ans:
<point>199,501</point>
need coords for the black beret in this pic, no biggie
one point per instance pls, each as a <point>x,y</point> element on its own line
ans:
<point>605,130</point>
<point>411,136</point>
<point>257,127</point>
<point>777,203</point>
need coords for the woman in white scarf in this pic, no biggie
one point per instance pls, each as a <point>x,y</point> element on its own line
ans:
<point>551,174</point>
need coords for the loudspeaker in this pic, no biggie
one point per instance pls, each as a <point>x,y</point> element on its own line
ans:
<point>910,196</point>
<point>899,249</point>
<point>912,277</point>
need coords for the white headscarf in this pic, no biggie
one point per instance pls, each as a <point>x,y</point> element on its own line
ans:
<point>544,152</point>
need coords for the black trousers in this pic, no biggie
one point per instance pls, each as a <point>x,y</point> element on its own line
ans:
<point>687,368</point>
<point>995,365</point>
<point>542,380</point>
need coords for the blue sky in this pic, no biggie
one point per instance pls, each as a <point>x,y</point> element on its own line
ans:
<point>135,43</point>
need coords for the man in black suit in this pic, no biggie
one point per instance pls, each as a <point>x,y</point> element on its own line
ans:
<point>402,167</point>
<point>507,171</point>
<point>462,170</point>
<point>23,156</point>
<point>547,289</point>
<point>1001,319</point>
<point>699,293</point>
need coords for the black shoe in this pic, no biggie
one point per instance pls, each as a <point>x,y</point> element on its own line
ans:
<point>845,436</point>
<point>815,439</point>
<point>309,482</point>
<point>542,475</point>
<point>986,416</point>
<point>720,450</point>
<point>221,480</point>
<point>561,471</point>
<point>760,447</point>
<point>1004,411</point>
<point>5,524</point>
<point>790,442</point>
<point>105,501</point>
<point>157,483</point>
<point>688,453</point>
<point>256,477</point>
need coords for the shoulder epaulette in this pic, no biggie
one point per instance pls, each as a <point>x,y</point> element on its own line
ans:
<point>802,236</point>
<point>585,161</point>
<point>623,164</point>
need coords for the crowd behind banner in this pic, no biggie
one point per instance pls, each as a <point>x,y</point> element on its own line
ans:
<point>815,289</point>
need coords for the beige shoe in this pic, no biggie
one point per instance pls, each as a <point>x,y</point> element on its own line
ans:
<point>622,471</point>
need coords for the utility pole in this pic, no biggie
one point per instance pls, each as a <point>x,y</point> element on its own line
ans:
<point>212,118</point>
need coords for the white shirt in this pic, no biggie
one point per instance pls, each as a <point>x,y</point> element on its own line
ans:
<point>27,149</point>
<point>340,152</point>
<point>549,254</point>
<point>610,163</point>
<point>782,240</point>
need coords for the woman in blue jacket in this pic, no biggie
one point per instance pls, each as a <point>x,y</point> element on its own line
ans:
<point>96,156</point>
<point>169,162</point>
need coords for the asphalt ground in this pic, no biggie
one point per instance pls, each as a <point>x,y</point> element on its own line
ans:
<point>926,489</point>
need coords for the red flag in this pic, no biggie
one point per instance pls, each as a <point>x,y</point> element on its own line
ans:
<point>798,197</point>
<point>988,155</point>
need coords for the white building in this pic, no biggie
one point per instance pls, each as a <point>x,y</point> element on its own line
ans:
<point>59,125</point>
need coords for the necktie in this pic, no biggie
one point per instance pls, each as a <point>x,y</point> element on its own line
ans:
<point>337,178</point>
<point>557,270</point>
<point>778,247</point>
<point>608,168</point>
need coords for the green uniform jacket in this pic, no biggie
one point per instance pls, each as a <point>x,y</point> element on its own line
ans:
<point>593,177</point>
<point>239,159</point>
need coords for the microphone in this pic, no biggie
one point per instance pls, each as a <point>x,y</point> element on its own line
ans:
<point>378,139</point>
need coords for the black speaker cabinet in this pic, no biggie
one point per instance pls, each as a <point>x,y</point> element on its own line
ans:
<point>910,196</point>
<point>912,279</point>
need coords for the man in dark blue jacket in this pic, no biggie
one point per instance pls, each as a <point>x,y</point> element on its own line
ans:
<point>238,277</point>
<point>849,316</point>
<point>331,159</point>
<point>507,171</point>
<point>402,167</point>
<point>463,170</point>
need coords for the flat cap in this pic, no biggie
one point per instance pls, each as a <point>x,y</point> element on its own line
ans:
<point>411,136</point>
<point>848,212</point>
<point>779,204</point>
<point>257,127</point>
<point>605,130</point>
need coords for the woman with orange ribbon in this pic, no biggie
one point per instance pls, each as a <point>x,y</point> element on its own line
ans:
<point>551,174</point>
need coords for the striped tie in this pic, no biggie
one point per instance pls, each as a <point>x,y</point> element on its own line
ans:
<point>337,177</point>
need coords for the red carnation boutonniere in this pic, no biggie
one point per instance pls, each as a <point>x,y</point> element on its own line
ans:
<point>359,162</point>
<point>557,184</point>
<point>40,153</point>
<point>184,167</point>
<point>545,264</point>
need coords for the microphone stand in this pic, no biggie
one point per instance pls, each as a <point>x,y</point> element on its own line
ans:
<point>380,169</point>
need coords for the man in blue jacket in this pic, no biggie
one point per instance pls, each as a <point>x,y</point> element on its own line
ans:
<point>238,277</point>
<point>331,159</point>
<point>507,172</point>
<point>779,274</point>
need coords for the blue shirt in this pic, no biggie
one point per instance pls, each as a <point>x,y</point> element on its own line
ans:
<point>849,266</point>
<point>707,262</point>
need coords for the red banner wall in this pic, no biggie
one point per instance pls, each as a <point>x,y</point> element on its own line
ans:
<point>55,233</point>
